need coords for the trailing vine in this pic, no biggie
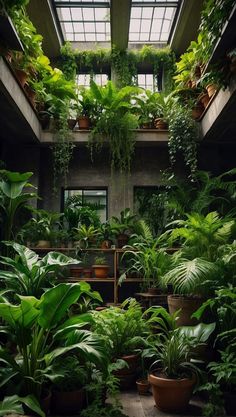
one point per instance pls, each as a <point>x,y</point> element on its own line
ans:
<point>183,138</point>
<point>126,63</point>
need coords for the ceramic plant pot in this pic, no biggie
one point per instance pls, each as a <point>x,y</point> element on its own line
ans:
<point>143,386</point>
<point>171,395</point>
<point>101,271</point>
<point>187,305</point>
<point>161,124</point>
<point>84,122</point>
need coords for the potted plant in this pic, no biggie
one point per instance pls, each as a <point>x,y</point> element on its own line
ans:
<point>85,236</point>
<point>164,105</point>
<point>149,263</point>
<point>68,395</point>
<point>173,375</point>
<point>197,268</point>
<point>210,81</point>
<point>104,235</point>
<point>47,317</point>
<point>124,329</point>
<point>122,226</point>
<point>86,106</point>
<point>145,107</point>
<point>100,267</point>
<point>72,115</point>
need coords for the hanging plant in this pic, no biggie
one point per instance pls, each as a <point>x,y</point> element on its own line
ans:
<point>183,138</point>
<point>115,124</point>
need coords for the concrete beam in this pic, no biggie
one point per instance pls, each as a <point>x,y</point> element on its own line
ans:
<point>120,18</point>
<point>18,119</point>
<point>143,137</point>
<point>187,25</point>
<point>43,17</point>
<point>218,122</point>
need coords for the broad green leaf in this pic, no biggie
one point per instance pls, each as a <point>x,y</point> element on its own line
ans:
<point>11,405</point>
<point>56,301</point>
<point>201,332</point>
<point>31,402</point>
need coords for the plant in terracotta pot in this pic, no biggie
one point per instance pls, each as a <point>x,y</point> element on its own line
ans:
<point>86,108</point>
<point>41,327</point>
<point>100,267</point>
<point>198,265</point>
<point>211,82</point>
<point>68,397</point>
<point>163,107</point>
<point>104,235</point>
<point>173,375</point>
<point>145,106</point>
<point>124,330</point>
<point>122,226</point>
<point>85,236</point>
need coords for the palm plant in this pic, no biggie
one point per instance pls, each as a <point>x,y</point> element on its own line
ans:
<point>43,333</point>
<point>115,123</point>
<point>29,275</point>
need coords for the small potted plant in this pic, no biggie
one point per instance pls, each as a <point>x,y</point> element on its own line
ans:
<point>85,109</point>
<point>122,226</point>
<point>100,267</point>
<point>104,235</point>
<point>84,236</point>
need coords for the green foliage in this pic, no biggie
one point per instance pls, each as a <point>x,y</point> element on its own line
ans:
<point>13,198</point>
<point>115,124</point>
<point>183,139</point>
<point>43,333</point>
<point>122,328</point>
<point>100,260</point>
<point>13,405</point>
<point>71,374</point>
<point>29,275</point>
<point>124,223</point>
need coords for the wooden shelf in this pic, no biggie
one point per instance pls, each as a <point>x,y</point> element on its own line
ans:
<point>90,279</point>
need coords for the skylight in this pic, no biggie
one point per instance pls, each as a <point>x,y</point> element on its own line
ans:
<point>152,22</point>
<point>89,23</point>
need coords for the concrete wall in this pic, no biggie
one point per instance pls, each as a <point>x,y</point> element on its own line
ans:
<point>148,162</point>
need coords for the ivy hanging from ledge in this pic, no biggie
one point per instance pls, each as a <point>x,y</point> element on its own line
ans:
<point>125,63</point>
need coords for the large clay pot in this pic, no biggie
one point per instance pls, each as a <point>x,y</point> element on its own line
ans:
<point>88,272</point>
<point>127,375</point>
<point>171,395</point>
<point>197,111</point>
<point>84,122</point>
<point>68,403</point>
<point>187,305</point>
<point>101,271</point>
<point>211,89</point>
<point>205,100</point>
<point>143,386</point>
<point>106,244</point>
<point>161,124</point>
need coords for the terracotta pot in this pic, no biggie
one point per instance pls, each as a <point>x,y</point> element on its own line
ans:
<point>171,395</point>
<point>211,89</point>
<point>161,124</point>
<point>142,386</point>
<point>68,403</point>
<point>101,271</point>
<point>188,306</point>
<point>6,53</point>
<point>22,76</point>
<point>71,123</point>
<point>205,100</point>
<point>147,125</point>
<point>197,72</point>
<point>122,240</point>
<point>84,122</point>
<point>127,376</point>
<point>230,403</point>
<point>43,244</point>
<point>76,271</point>
<point>31,94</point>
<point>197,111</point>
<point>88,272</point>
<point>106,244</point>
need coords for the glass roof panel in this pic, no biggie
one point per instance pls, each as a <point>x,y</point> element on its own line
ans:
<point>151,20</point>
<point>87,24</point>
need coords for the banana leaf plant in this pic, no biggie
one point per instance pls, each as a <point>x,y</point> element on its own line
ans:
<point>27,274</point>
<point>13,198</point>
<point>43,332</point>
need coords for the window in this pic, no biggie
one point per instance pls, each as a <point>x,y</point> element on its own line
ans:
<point>147,81</point>
<point>84,79</point>
<point>98,197</point>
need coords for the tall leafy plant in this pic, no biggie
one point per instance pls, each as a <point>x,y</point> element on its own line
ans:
<point>43,333</point>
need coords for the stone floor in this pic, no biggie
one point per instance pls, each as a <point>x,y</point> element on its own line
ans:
<point>136,405</point>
